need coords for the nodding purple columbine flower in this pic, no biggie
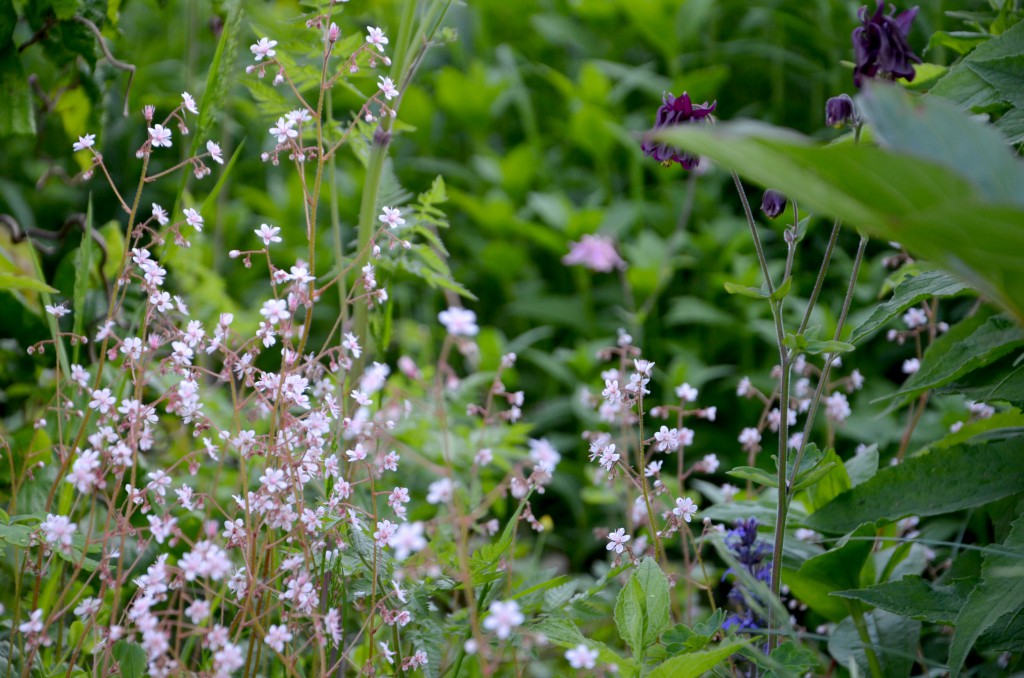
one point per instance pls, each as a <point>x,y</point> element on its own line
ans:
<point>676,111</point>
<point>773,203</point>
<point>881,45</point>
<point>840,111</point>
<point>751,554</point>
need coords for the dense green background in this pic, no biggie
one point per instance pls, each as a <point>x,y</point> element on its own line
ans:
<point>532,116</point>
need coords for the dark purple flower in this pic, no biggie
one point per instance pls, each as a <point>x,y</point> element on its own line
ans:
<point>676,111</point>
<point>773,203</point>
<point>881,45</point>
<point>840,111</point>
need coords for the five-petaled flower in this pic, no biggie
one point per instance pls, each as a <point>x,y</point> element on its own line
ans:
<point>596,252</point>
<point>582,657</point>
<point>685,508</point>
<point>84,142</point>
<point>617,540</point>
<point>387,87</point>
<point>160,135</point>
<point>503,617</point>
<point>213,149</point>
<point>459,322</point>
<point>881,47</point>
<point>392,216</point>
<point>375,37</point>
<point>676,111</point>
<point>263,48</point>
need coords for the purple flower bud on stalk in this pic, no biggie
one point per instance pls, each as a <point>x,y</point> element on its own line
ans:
<point>881,46</point>
<point>676,111</point>
<point>840,111</point>
<point>773,203</point>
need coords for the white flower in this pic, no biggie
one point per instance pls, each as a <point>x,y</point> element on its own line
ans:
<point>160,214</point>
<point>160,136</point>
<point>58,530</point>
<point>387,87</point>
<point>88,141</point>
<point>617,540</point>
<point>263,48</point>
<point>459,322</point>
<point>284,130</point>
<point>685,508</point>
<point>440,491</point>
<point>686,393</point>
<point>392,216</point>
<point>582,657</point>
<point>215,152</point>
<point>503,617</point>
<point>57,310</point>
<point>268,234</point>
<point>277,636</point>
<point>194,219</point>
<point>189,103</point>
<point>837,408</point>
<point>911,365</point>
<point>375,37</point>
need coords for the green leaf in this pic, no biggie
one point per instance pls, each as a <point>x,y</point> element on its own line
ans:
<point>793,659</point>
<point>131,659</point>
<point>835,570</point>
<point>1002,380</point>
<point>16,114</point>
<point>13,281</point>
<point>757,475</point>
<point>935,211</point>
<point>83,274</point>
<point>972,343</point>
<point>745,291</point>
<point>938,482</point>
<point>910,292</point>
<point>809,478</point>
<point>893,638</point>
<point>833,482</point>
<point>1000,592</point>
<point>642,608</point>
<point>915,598</point>
<point>935,132</point>
<point>563,632</point>
<point>782,290</point>
<point>696,664</point>
<point>863,466</point>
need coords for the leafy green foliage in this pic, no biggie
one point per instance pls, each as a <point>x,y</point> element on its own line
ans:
<point>916,598</point>
<point>940,481</point>
<point>642,608</point>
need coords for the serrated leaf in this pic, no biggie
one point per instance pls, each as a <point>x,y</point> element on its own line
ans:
<point>931,484</point>
<point>910,292</point>
<point>970,344</point>
<point>642,607</point>
<point>1000,592</point>
<point>915,598</point>
<point>837,569</point>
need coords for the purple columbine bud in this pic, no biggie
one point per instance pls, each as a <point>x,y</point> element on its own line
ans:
<point>840,111</point>
<point>773,203</point>
<point>881,47</point>
<point>676,111</point>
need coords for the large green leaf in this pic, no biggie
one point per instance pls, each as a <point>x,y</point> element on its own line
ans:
<point>939,482</point>
<point>1001,380</point>
<point>16,114</point>
<point>972,343</point>
<point>972,84</point>
<point>916,598</point>
<point>835,570</point>
<point>893,638</point>
<point>696,664</point>
<point>1000,592</point>
<point>642,608</point>
<point>937,212</point>
<point>977,152</point>
<point>910,292</point>
<point>563,632</point>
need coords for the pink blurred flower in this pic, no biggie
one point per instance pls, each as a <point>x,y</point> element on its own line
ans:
<point>596,252</point>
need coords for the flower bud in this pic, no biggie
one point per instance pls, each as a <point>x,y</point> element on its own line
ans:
<point>333,32</point>
<point>839,111</point>
<point>773,203</point>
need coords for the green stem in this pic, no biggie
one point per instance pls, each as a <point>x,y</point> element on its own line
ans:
<point>857,613</point>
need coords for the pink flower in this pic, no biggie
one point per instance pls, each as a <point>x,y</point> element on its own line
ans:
<point>596,252</point>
